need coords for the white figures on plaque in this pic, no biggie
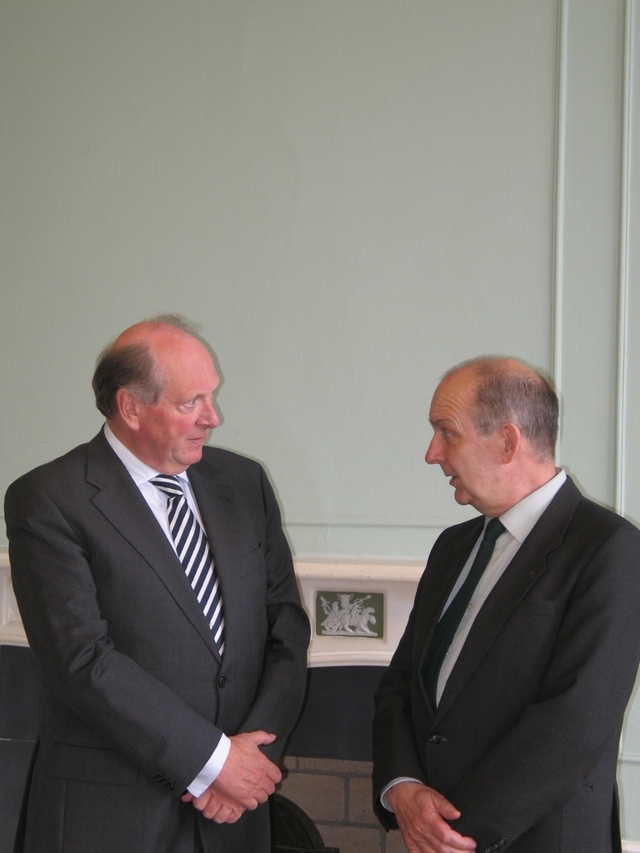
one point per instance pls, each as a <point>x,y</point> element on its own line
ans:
<point>345,617</point>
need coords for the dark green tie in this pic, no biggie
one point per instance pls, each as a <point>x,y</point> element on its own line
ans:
<point>448,625</point>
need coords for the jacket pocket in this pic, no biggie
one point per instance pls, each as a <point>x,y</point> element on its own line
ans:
<point>89,764</point>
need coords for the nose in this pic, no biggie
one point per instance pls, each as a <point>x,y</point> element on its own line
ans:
<point>209,416</point>
<point>434,454</point>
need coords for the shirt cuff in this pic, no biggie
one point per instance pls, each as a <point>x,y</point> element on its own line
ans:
<point>383,798</point>
<point>211,769</point>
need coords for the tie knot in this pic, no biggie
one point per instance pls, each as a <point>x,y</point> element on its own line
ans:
<point>493,529</point>
<point>169,484</point>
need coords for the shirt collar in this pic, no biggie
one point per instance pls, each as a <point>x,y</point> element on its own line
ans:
<point>521,518</point>
<point>140,472</point>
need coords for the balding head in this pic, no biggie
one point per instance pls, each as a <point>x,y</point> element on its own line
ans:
<point>155,384</point>
<point>132,362</point>
<point>495,424</point>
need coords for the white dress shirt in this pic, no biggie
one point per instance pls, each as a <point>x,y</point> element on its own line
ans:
<point>141,474</point>
<point>519,520</point>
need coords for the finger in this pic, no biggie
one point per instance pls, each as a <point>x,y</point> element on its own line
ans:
<point>445,808</point>
<point>261,738</point>
<point>233,817</point>
<point>202,801</point>
<point>227,815</point>
<point>274,773</point>
<point>215,811</point>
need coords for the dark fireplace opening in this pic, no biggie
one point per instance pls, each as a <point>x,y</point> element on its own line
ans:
<point>337,714</point>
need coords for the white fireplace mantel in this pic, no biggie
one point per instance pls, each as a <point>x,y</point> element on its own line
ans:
<point>396,579</point>
<point>11,630</point>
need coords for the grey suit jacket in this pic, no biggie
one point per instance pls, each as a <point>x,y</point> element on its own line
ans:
<point>135,696</point>
<point>525,739</point>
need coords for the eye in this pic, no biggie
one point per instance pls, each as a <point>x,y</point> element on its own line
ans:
<point>189,404</point>
<point>448,435</point>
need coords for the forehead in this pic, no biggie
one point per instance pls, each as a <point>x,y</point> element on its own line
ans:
<point>453,399</point>
<point>187,367</point>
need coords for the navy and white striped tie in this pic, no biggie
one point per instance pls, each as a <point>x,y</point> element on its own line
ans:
<point>192,548</point>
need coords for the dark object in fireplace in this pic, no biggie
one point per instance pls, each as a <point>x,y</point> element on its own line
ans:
<point>292,830</point>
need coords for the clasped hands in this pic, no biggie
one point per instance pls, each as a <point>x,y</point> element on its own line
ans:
<point>423,817</point>
<point>247,778</point>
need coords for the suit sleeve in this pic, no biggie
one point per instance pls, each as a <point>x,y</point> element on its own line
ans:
<point>110,700</point>
<point>395,752</point>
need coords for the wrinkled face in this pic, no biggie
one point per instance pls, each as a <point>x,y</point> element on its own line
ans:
<point>472,461</point>
<point>170,434</point>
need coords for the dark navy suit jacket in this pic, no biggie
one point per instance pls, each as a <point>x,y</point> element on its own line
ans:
<point>525,739</point>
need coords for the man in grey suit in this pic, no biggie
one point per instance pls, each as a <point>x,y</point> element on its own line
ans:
<point>160,719</point>
<point>498,721</point>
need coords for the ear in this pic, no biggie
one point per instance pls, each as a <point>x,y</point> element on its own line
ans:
<point>128,408</point>
<point>511,439</point>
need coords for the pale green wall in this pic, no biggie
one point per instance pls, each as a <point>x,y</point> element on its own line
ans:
<point>350,196</point>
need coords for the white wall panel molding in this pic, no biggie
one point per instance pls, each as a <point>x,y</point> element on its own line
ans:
<point>630,47</point>
<point>588,201</point>
<point>627,458</point>
<point>365,537</point>
<point>557,289</point>
<point>628,450</point>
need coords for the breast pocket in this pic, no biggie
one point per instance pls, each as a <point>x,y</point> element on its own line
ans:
<point>252,561</point>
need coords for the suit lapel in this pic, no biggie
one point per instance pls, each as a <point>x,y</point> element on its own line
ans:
<point>443,573</point>
<point>228,527</point>
<point>530,562</point>
<point>120,502</point>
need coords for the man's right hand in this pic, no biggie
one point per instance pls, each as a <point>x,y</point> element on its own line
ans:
<point>422,816</point>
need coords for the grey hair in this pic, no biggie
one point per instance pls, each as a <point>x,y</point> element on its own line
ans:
<point>508,391</point>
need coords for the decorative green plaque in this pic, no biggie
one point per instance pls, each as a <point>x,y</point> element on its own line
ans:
<point>350,614</point>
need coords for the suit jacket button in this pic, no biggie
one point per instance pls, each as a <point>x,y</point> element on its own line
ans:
<point>222,681</point>
<point>435,738</point>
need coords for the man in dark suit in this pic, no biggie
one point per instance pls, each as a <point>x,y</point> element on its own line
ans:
<point>497,726</point>
<point>159,725</point>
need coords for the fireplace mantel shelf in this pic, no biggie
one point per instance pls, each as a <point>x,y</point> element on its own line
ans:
<point>395,579</point>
